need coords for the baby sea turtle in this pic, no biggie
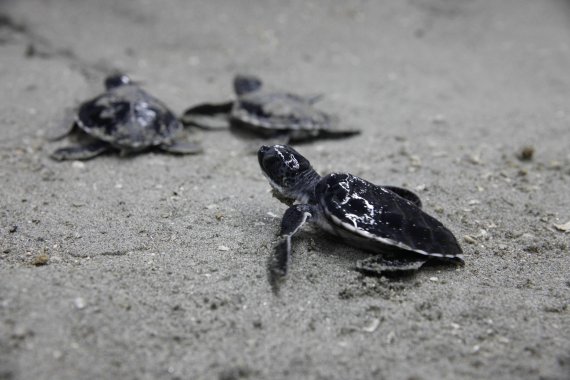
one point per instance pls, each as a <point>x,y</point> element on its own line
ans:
<point>380,219</point>
<point>279,116</point>
<point>126,118</point>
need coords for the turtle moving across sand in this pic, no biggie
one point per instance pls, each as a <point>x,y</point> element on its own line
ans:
<point>277,116</point>
<point>124,118</point>
<point>385,220</point>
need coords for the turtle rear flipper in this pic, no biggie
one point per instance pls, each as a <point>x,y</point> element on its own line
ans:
<point>81,152</point>
<point>182,147</point>
<point>208,116</point>
<point>335,130</point>
<point>378,265</point>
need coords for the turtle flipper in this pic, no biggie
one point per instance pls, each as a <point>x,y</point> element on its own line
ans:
<point>81,152</point>
<point>208,116</point>
<point>64,126</point>
<point>278,263</point>
<point>182,147</point>
<point>379,264</point>
<point>406,194</point>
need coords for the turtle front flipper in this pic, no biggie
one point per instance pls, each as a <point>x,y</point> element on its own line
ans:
<point>81,152</point>
<point>381,265</point>
<point>292,221</point>
<point>208,116</point>
<point>182,147</point>
<point>406,194</point>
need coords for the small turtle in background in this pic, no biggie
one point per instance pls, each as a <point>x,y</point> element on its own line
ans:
<point>278,116</point>
<point>124,118</point>
<point>384,220</point>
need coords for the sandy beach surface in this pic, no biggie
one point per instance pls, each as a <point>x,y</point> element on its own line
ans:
<point>153,266</point>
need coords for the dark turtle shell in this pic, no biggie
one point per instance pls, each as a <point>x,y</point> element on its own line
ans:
<point>271,113</point>
<point>128,117</point>
<point>377,218</point>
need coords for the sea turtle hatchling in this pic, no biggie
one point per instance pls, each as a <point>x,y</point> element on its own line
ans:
<point>125,118</point>
<point>385,220</point>
<point>278,116</point>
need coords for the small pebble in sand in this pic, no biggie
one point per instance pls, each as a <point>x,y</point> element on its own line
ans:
<point>469,239</point>
<point>372,326</point>
<point>13,229</point>
<point>526,153</point>
<point>439,119</point>
<point>271,214</point>
<point>434,279</point>
<point>78,165</point>
<point>79,303</point>
<point>555,165</point>
<point>563,227</point>
<point>503,339</point>
<point>223,248</point>
<point>41,259</point>
<point>415,161</point>
<point>421,187</point>
<point>473,159</point>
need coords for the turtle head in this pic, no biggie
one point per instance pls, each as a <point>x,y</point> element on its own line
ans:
<point>116,80</point>
<point>289,173</point>
<point>244,84</point>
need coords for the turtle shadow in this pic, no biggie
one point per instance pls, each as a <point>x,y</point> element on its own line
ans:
<point>334,246</point>
<point>81,139</point>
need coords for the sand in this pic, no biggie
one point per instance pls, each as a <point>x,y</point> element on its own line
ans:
<point>153,266</point>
